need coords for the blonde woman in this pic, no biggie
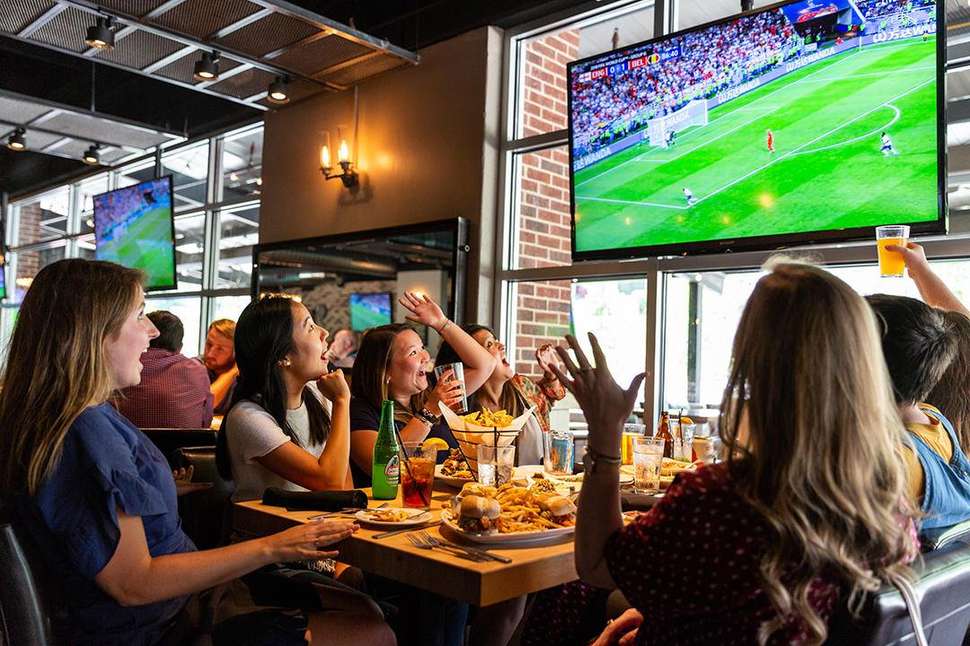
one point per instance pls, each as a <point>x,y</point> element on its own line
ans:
<point>809,503</point>
<point>98,499</point>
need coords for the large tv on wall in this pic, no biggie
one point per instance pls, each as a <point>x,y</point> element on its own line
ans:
<point>806,121</point>
<point>134,227</point>
<point>370,310</point>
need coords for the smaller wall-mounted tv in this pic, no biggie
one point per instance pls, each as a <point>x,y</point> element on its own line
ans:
<point>3,281</point>
<point>134,227</point>
<point>369,310</point>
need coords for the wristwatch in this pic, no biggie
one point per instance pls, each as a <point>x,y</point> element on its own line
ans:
<point>426,414</point>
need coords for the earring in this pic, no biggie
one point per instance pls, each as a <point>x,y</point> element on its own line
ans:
<point>285,363</point>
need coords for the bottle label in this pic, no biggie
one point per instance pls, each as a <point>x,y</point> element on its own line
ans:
<point>392,470</point>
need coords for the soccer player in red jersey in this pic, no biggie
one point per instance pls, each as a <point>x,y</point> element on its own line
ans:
<point>771,141</point>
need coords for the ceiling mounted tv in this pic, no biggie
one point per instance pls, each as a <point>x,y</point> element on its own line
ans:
<point>134,227</point>
<point>369,310</point>
<point>802,122</point>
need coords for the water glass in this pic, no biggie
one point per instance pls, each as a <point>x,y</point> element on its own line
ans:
<point>457,374</point>
<point>683,435</point>
<point>648,453</point>
<point>495,464</point>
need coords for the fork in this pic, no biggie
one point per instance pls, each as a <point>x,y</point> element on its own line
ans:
<point>422,543</point>
<point>436,542</point>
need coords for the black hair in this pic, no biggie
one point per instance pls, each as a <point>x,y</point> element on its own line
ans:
<point>916,344</point>
<point>264,336</point>
<point>170,331</point>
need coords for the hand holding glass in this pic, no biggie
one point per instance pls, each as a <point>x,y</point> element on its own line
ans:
<point>891,263</point>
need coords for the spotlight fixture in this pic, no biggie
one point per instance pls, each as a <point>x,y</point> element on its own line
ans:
<point>91,156</point>
<point>100,35</point>
<point>16,142</point>
<point>207,67</point>
<point>277,91</point>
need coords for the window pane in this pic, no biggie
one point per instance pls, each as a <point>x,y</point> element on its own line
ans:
<point>238,232</point>
<point>42,218</point>
<point>541,80</point>
<point>242,159</point>
<point>8,318</point>
<point>189,168</point>
<point>28,264</point>
<point>541,223</point>
<point>86,192</point>
<point>135,174</point>
<point>702,311</point>
<point>545,311</point>
<point>188,309</point>
<point>189,244</point>
<point>229,307</point>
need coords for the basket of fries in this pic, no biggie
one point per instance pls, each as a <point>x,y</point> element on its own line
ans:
<point>490,428</point>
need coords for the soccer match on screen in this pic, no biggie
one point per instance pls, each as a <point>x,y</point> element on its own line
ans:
<point>133,227</point>
<point>811,116</point>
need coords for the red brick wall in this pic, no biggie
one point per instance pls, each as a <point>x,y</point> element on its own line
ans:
<point>543,218</point>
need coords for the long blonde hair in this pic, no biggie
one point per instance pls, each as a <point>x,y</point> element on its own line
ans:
<point>56,365</point>
<point>819,455</point>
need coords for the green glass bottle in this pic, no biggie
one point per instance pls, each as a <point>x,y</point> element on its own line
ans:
<point>386,469</point>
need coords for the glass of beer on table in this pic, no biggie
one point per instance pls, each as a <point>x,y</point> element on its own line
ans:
<point>417,474</point>
<point>891,263</point>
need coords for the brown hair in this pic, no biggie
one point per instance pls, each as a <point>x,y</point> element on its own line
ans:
<point>56,365</point>
<point>225,327</point>
<point>952,393</point>
<point>819,454</point>
<point>369,381</point>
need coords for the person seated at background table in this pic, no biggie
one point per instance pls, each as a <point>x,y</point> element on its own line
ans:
<point>393,364</point>
<point>809,508</point>
<point>219,359</point>
<point>97,498</point>
<point>343,350</point>
<point>174,390</point>
<point>512,392</point>
<point>289,423</point>
<point>918,347</point>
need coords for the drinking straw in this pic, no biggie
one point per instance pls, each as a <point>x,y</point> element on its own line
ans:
<point>407,465</point>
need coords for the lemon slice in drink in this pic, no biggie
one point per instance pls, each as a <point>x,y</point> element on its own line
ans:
<point>435,443</point>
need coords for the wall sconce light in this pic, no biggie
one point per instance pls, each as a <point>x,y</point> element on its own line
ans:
<point>347,175</point>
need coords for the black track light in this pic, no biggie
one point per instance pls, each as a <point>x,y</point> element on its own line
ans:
<point>16,142</point>
<point>92,157</point>
<point>277,91</point>
<point>207,67</point>
<point>100,35</point>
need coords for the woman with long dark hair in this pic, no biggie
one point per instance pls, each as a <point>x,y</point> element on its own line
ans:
<point>512,392</point>
<point>97,498</point>
<point>289,423</point>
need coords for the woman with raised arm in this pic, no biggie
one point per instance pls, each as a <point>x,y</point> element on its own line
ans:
<point>513,392</point>
<point>97,498</point>
<point>392,363</point>
<point>809,508</point>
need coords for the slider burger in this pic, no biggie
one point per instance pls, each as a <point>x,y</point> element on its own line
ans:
<point>478,515</point>
<point>559,510</point>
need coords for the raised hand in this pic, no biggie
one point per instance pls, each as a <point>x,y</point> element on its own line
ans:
<point>605,403</point>
<point>333,385</point>
<point>424,310</point>
<point>546,357</point>
<point>913,255</point>
<point>303,542</point>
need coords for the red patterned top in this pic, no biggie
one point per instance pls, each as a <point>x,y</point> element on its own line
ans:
<point>691,566</point>
<point>173,393</point>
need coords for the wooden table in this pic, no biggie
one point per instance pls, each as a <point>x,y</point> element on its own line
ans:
<point>479,583</point>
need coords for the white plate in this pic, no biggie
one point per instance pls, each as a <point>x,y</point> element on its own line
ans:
<point>451,481</point>
<point>575,480</point>
<point>415,517</point>
<point>540,537</point>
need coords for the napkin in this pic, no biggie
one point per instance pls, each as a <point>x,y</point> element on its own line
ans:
<point>314,500</point>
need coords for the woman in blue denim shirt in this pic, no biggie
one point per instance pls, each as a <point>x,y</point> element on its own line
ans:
<point>98,498</point>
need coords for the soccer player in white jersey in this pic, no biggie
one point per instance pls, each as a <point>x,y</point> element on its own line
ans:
<point>887,148</point>
<point>689,197</point>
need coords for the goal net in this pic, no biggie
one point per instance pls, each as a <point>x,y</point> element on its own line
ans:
<point>692,114</point>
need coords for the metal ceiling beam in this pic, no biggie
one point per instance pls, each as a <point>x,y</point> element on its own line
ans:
<point>239,24</point>
<point>41,20</point>
<point>31,127</point>
<point>151,68</point>
<point>238,69</point>
<point>312,38</point>
<point>135,70</point>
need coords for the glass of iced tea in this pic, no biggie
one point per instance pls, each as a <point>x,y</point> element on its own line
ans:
<point>891,263</point>
<point>417,474</point>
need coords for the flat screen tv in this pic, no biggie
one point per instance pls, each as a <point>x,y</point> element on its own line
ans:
<point>801,122</point>
<point>3,281</point>
<point>134,227</point>
<point>369,310</point>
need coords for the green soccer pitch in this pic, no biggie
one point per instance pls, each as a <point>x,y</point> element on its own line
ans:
<point>827,171</point>
<point>146,245</point>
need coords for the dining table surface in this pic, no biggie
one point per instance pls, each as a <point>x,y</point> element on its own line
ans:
<point>481,583</point>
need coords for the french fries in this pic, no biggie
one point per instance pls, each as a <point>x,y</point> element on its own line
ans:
<point>485,417</point>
